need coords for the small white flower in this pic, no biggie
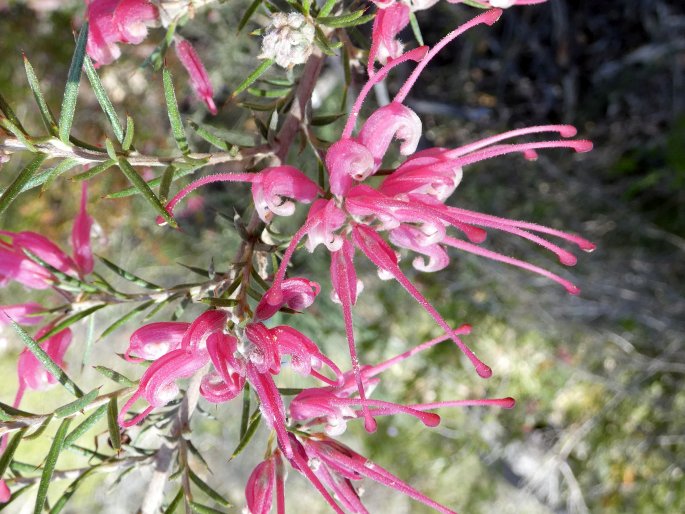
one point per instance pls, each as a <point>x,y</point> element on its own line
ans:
<point>288,40</point>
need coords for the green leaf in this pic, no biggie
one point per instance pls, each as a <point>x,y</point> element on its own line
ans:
<point>49,467</point>
<point>95,170</point>
<point>269,93</point>
<point>103,99</point>
<point>209,137</point>
<point>18,133</point>
<point>203,509</point>
<point>248,14</point>
<point>9,114</point>
<point>164,186</point>
<point>326,119</point>
<point>261,69</point>
<point>178,173</point>
<point>47,362</point>
<point>345,20</point>
<point>85,426</point>
<point>207,489</point>
<point>174,114</point>
<point>71,320</point>
<point>127,275</point>
<point>115,376</point>
<point>125,318</point>
<point>111,152</point>
<point>415,28</point>
<point>66,116</point>
<point>8,413</point>
<point>245,417</point>
<point>128,137</point>
<point>175,502</point>
<point>255,419</point>
<point>475,4</point>
<point>219,302</point>
<point>46,179</point>
<point>66,282</point>
<point>48,118</point>
<point>144,189</point>
<point>156,58</point>
<point>327,8</point>
<point>11,447</point>
<point>22,179</point>
<point>77,405</point>
<point>36,434</point>
<point>322,41</point>
<point>289,391</point>
<point>113,424</point>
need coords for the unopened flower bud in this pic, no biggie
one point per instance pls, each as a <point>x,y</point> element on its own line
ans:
<point>288,40</point>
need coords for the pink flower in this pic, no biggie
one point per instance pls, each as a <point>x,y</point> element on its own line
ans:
<point>155,339</point>
<point>21,313</point>
<point>388,23</point>
<point>5,493</point>
<point>296,294</point>
<point>271,190</point>
<point>117,21</point>
<point>267,476</point>
<point>158,384</point>
<point>80,236</point>
<point>199,78</point>
<point>32,374</point>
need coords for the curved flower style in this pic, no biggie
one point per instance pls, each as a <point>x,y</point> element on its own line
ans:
<point>410,202</point>
<point>271,189</point>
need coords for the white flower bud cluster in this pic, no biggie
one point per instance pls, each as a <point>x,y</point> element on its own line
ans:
<point>289,40</point>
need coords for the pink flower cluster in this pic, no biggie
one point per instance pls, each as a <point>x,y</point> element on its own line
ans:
<point>127,21</point>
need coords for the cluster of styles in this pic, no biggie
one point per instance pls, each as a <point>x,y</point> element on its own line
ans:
<point>401,211</point>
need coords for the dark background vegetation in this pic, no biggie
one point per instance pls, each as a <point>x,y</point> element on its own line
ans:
<point>599,378</point>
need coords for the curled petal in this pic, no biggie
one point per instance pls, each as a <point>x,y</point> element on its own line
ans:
<point>346,160</point>
<point>388,23</point>
<point>153,340</point>
<point>273,186</point>
<point>263,354</point>
<point>132,18</point>
<point>199,78</point>
<point>80,236</point>
<point>324,219</point>
<point>392,120</point>
<point>207,323</point>
<point>295,293</point>
<point>222,349</point>
<point>409,237</point>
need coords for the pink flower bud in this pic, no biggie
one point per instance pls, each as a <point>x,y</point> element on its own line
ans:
<point>295,293</point>
<point>199,78</point>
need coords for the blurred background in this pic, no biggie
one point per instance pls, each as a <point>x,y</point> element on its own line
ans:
<point>599,379</point>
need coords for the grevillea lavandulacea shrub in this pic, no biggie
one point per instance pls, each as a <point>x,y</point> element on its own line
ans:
<point>356,208</point>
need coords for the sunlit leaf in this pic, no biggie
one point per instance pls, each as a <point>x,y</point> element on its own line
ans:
<point>18,184</point>
<point>66,116</point>
<point>49,466</point>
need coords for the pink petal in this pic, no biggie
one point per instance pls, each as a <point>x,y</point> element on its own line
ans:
<point>132,18</point>
<point>199,78</point>
<point>260,487</point>
<point>272,188</point>
<point>296,293</point>
<point>80,236</point>
<point>21,313</point>
<point>387,25</point>
<point>155,339</point>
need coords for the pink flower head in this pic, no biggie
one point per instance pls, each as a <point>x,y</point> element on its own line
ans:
<point>296,294</point>
<point>158,384</point>
<point>388,23</point>
<point>117,21</point>
<point>42,247</point>
<point>153,340</point>
<point>199,78</point>
<point>32,374</point>
<point>132,19</point>
<point>21,313</point>
<point>80,236</point>
<point>267,476</point>
<point>271,189</point>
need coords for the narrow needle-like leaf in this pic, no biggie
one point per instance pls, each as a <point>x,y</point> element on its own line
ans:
<point>49,467</point>
<point>66,116</point>
<point>22,179</point>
